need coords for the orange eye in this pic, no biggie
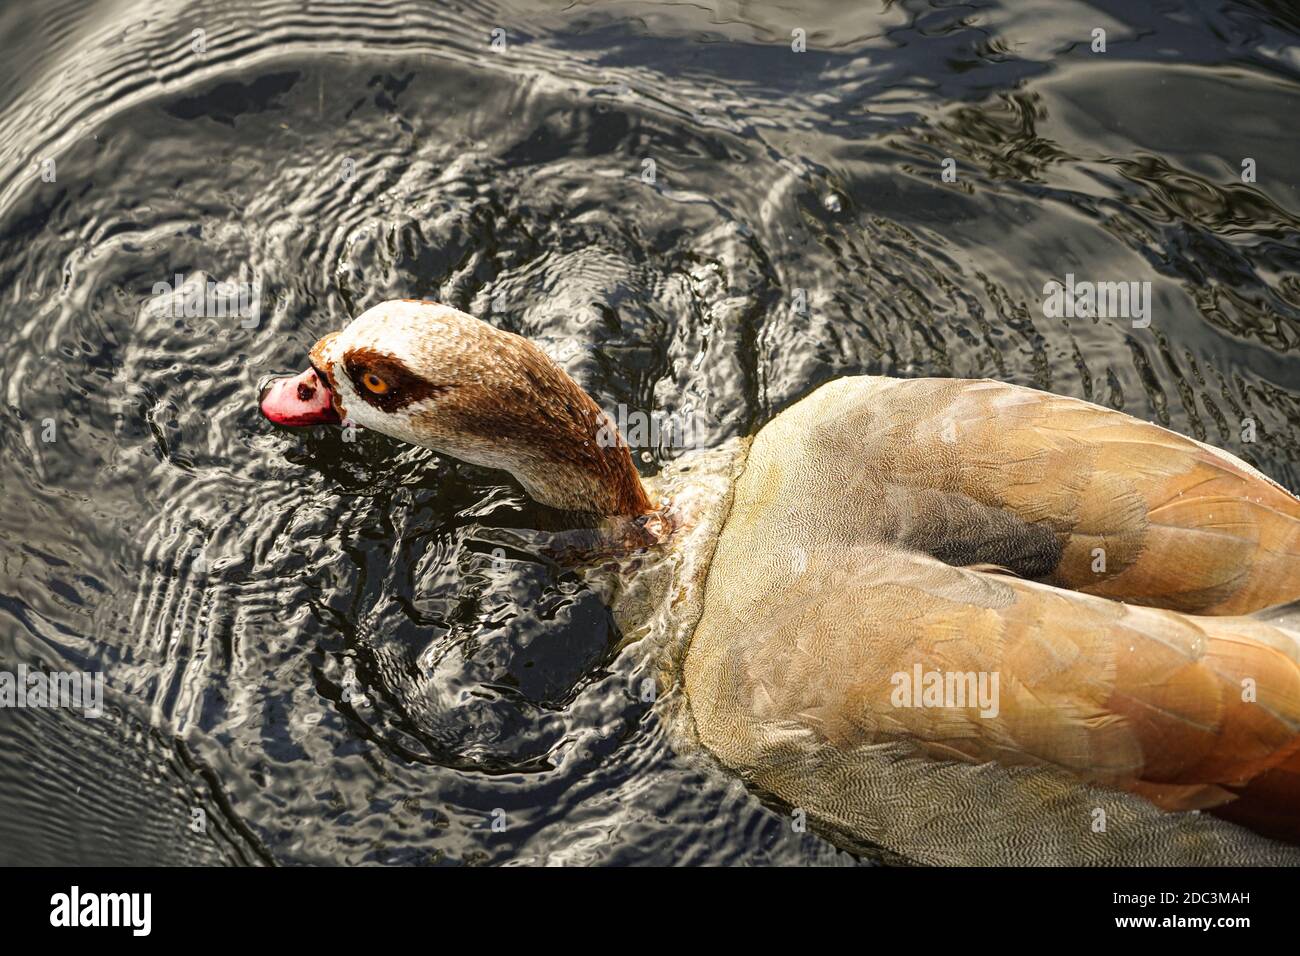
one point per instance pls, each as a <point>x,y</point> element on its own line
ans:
<point>374,383</point>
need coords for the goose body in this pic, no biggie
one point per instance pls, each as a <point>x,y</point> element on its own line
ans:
<point>964,621</point>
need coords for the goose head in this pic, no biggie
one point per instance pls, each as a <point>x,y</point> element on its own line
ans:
<point>431,375</point>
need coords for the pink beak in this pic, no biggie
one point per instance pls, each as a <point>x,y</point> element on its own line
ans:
<point>296,400</point>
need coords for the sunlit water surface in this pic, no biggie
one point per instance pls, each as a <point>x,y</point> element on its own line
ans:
<point>308,646</point>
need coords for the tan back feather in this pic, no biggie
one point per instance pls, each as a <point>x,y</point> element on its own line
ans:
<point>821,591</point>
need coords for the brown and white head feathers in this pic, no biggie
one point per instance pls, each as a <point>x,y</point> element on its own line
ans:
<point>431,375</point>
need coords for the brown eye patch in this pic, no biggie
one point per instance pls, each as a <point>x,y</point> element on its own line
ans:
<point>384,381</point>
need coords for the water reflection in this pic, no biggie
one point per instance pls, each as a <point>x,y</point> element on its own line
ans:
<point>311,639</point>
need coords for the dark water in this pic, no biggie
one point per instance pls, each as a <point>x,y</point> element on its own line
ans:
<point>306,642</point>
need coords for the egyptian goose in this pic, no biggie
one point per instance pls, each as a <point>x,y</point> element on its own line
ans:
<point>1109,595</point>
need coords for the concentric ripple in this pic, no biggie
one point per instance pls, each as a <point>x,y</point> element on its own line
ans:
<point>332,648</point>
